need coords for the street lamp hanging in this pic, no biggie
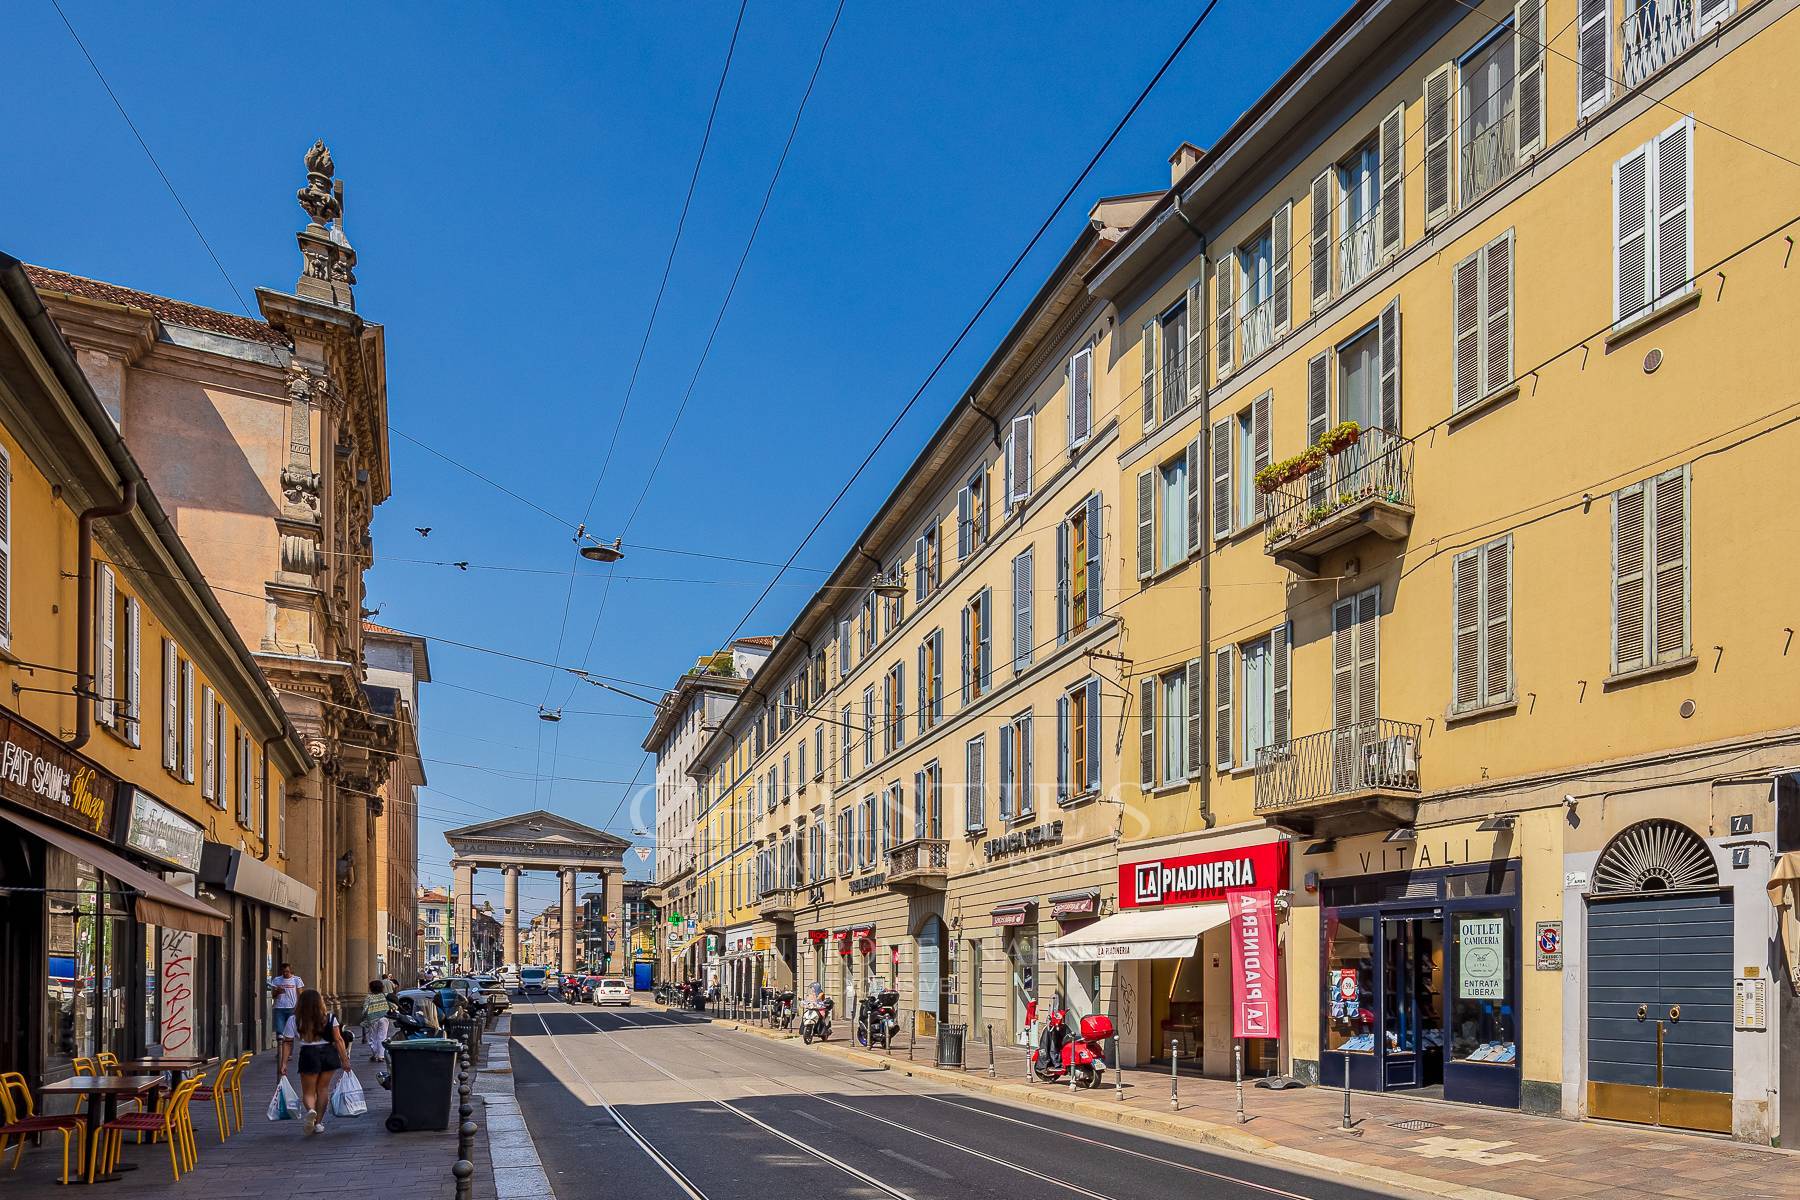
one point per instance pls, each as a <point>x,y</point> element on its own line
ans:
<point>888,587</point>
<point>596,551</point>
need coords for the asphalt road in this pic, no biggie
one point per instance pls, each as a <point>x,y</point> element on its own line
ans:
<point>666,1106</point>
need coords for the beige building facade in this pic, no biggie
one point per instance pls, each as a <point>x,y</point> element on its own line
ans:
<point>395,665</point>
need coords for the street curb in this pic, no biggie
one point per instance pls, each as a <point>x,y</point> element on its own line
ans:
<point>1183,1128</point>
<point>518,1171</point>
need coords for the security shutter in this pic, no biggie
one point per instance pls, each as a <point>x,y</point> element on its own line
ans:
<point>1148,386</point>
<point>1222,311</point>
<point>1466,292</point>
<point>1196,333</point>
<point>1091,731</point>
<point>1221,478</point>
<point>1146,524</point>
<point>1062,749</point>
<point>171,704</point>
<point>106,684</point>
<point>1319,256</point>
<point>1389,345</point>
<point>1023,582</point>
<point>1673,236</point>
<point>1669,597</point>
<point>1062,582</point>
<point>1497,323</point>
<point>1393,179</point>
<point>1096,560</point>
<point>1528,29</point>
<point>1281,228</point>
<point>1222,708</point>
<point>1195,716</point>
<point>1194,467</point>
<point>1147,732</point>
<point>1594,46</point>
<point>1281,671</point>
<point>1262,446</point>
<point>1438,179</point>
<point>1081,395</point>
<point>1631,233</point>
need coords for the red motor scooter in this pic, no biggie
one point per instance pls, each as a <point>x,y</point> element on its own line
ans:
<point>1073,1054</point>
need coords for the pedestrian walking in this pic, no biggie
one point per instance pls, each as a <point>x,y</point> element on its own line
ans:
<point>286,988</point>
<point>322,1055</point>
<point>377,1008</point>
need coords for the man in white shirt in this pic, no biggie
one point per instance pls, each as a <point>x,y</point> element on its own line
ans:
<point>285,987</point>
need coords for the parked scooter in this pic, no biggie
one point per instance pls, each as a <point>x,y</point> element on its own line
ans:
<point>784,1010</point>
<point>1065,1053</point>
<point>877,1019</point>
<point>815,1019</point>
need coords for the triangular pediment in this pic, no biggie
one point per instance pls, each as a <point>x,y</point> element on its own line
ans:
<point>537,826</point>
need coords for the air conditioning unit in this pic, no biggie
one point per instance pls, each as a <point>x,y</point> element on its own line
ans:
<point>1391,762</point>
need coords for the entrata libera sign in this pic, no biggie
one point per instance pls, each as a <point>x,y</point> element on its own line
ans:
<point>1201,878</point>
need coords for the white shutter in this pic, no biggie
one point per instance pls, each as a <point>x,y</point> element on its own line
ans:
<point>1466,637</point>
<point>1023,724</point>
<point>1222,708</point>
<point>985,605</point>
<point>1146,524</point>
<point>1673,239</point>
<point>1147,732</point>
<point>187,720</point>
<point>1020,443</point>
<point>1497,314</point>
<point>1062,582</point>
<point>1081,395</point>
<point>1343,663</point>
<point>1714,12</point>
<point>1195,465</point>
<point>1196,330</point>
<point>1063,749</point>
<point>171,705</point>
<point>1023,582</point>
<point>1281,229</point>
<point>1262,442</point>
<point>1318,417</point>
<point>209,745</point>
<point>1466,302</point>
<point>1593,37</point>
<point>134,667</point>
<point>1096,561</point>
<point>1222,311</point>
<point>1631,233</point>
<point>1221,479</point>
<point>1147,387</point>
<point>1195,717</point>
<point>1528,29</point>
<point>1368,656</point>
<point>1319,256</point>
<point>968,655</point>
<point>1281,673</point>
<point>1496,568</point>
<point>105,682</point>
<point>974,815</point>
<point>1092,782</point>
<point>1393,179</point>
<point>1438,175</point>
<point>1389,346</point>
<point>1669,593</point>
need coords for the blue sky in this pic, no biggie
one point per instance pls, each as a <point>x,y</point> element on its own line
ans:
<point>513,179</point>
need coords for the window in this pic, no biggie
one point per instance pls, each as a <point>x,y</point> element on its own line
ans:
<point>931,680</point>
<point>800,765</point>
<point>977,646</point>
<point>1078,741</point>
<point>1483,320</point>
<point>843,647</point>
<point>1651,572</point>
<point>1481,654</point>
<point>1079,581</point>
<point>926,564</point>
<point>1173,491</point>
<point>209,747</point>
<point>1015,768</point>
<point>893,608</point>
<point>1242,445</point>
<point>846,823</point>
<point>1018,461</point>
<point>1264,696</point>
<point>1262,306</point>
<point>849,741</point>
<point>1359,214</point>
<point>1172,717</point>
<point>787,780</point>
<point>893,714</point>
<point>1653,227</point>
<point>972,515</point>
<point>928,816</point>
<point>1023,584</point>
<point>893,817</point>
<point>819,752</point>
<point>865,625</point>
<point>868,726</point>
<point>1081,395</point>
<point>975,783</point>
<point>1594,45</point>
<point>1166,372</point>
<point>1488,133</point>
<point>866,818</point>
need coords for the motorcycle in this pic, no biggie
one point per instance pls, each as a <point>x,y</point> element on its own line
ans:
<point>815,1020</point>
<point>1074,1054</point>
<point>784,1010</point>
<point>877,1019</point>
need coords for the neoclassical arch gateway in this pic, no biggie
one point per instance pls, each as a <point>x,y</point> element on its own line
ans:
<point>539,841</point>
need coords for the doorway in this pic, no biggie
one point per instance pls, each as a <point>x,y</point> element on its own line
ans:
<point>1412,1001</point>
<point>1021,952</point>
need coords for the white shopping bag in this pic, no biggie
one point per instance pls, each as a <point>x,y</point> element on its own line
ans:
<point>347,1096</point>
<point>284,1105</point>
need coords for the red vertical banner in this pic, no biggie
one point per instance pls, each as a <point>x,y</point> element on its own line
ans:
<point>1255,966</point>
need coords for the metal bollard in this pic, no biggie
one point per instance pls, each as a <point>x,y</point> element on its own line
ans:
<point>1174,1075</point>
<point>912,1034</point>
<point>1348,1126</point>
<point>464,1170</point>
<point>465,1140</point>
<point>1028,1053</point>
<point>1237,1069</point>
<point>990,1029</point>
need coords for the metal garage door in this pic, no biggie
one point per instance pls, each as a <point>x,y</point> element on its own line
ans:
<point>1660,1009</point>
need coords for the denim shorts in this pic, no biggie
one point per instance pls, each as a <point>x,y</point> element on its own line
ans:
<point>284,1024</point>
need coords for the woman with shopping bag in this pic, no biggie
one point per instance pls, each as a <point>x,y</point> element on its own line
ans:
<point>347,1097</point>
<point>322,1055</point>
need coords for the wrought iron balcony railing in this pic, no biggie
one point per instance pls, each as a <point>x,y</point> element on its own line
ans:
<point>1357,250</point>
<point>921,861</point>
<point>1489,154</point>
<point>1654,35</point>
<point>1258,329</point>
<point>1370,757</point>
<point>1333,504</point>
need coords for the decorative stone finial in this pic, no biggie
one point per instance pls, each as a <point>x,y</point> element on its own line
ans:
<point>317,197</point>
<point>328,263</point>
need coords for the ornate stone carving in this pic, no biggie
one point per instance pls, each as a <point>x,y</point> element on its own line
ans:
<point>300,555</point>
<point>317,197</point>
<point>300,488</point>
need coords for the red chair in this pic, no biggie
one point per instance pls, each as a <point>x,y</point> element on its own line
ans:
<point>22,1120</point>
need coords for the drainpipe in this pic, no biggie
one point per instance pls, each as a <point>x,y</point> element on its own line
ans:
<point>1207,682</point>
<point>999,442</point>
<point>84,610</point>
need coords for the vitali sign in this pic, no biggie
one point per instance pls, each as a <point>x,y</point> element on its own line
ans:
<point>1198,878</point>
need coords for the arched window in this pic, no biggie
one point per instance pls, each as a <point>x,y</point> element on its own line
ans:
<point>1655,856</point>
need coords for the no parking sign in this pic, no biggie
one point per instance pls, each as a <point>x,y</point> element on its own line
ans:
<point>1549,946</point>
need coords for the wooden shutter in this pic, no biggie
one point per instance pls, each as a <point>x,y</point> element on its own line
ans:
<point>1006,773</point>
<point>1466,637</point>
<point>965,523</point>
<point>134,672</point>
<point>974,807</point>
<point>1714,12</point>
<point>1669,599</point>
<point>1221,475</point>
<point>1393,180</point>
<point>1528,32</point>
<point>209,745</point>
<point>1497,315</point>
<point>1319,257</point>
<point>1195,716</point>
<point>1368,657</point>
<point>1222,708</point>
<point>1091,731</point>
<point>984,605</point>
<point>1496,567</point>
<point>1673,237</point>
<point>1594,46</point>
<point>1063,748</point>
<point>1438,176</point>
<point>105,682</point>
<point>1081,395</point>
<point>1281,673</point>
<point>1193,468</point>
<point>1148,385</point>
<point>171,705</point>
<point>187,721</point>
<point>1389,346</point>
<point>1196,331</point>
<point>1223,325</point>
<point>1262,443</point>
<point>1281,230</point>
<point>1343,663</point>
<point>1147,732</point>
<point>1062,582</point>
<point>1318,417</point>
<point>968,654</point>
<point>1146,528</point>
<point>1096,559</point>
<point>1631,233</point>
<point>5,548</point>
<point>1466,292</point>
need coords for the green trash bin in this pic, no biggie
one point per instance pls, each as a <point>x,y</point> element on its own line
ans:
<point>423,1069</point>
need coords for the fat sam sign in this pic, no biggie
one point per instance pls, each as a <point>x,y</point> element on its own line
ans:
<point>1255,966</point>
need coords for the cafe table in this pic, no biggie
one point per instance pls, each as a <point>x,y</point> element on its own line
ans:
<point>103,1093</point>
<point>177,1065</point>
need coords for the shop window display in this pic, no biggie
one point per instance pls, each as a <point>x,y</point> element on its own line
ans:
<point>1350,983</point>
<point>1482,1027</point>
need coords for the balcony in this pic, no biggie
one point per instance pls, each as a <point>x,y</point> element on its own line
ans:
<point>779,904</point>
<point>1655,34</point>
<point>1358,253</point>
<point>1259,329</point>
<point>1357,779</point>
<point>923,864</point>
<point>1490,151</point>
<point>1365,488</point>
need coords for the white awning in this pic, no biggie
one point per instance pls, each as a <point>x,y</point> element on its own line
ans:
<point>1140,933</point>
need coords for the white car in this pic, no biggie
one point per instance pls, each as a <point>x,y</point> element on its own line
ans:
<point>613,991</point>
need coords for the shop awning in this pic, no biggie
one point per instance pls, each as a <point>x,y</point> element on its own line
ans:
<point>157,902</point>
<point>1784,894</point>
<point>1140,933</point>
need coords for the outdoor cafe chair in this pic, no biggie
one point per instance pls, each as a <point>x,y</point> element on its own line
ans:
<point>22,1121</point>
<point>170,1121</point>
<point>220,1093</point>
<point>237,1086</point>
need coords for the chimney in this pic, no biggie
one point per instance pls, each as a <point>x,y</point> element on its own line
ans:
<point>1180,162</point>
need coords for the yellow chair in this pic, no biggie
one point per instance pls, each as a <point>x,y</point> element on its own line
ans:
<point>170,1121</point>
<point>107,1062</point>
<point>83,1066</point>
<point>220,1095</point>
<point>22,1121</point>
<point>237,1086</point>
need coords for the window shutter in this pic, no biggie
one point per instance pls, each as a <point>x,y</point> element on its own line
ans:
<point>1631,233</point>
<point>187,721</point>
<point>1196,330</point>
<point>1528,31</point>
<point>1281,672</point>
<point>1092,782</point>
<point>1023,582</point>
<point>1368,659</point>
<point>1467,304</point>
<point>1148,386</point>
<point>1496,566</point>
<point>1147,732</point>
<point>1146,524</point>
<point>1194,467</point>
<point>1669,529</point>
<point>1063,748</point>
<point>1096,560</point>
<point>920,578</point>
<point>965,523</point>
<point>1006,470</point>
<point>985,605</point>
<point>974,807</point>
<point>1714,12</point>
<point>1022,447</point>
<point>1496,352</point>
<point>1221,478</point>
<point>1281,231</point>
<point>898,716</point>
<point>1195,717</point>
<point>5,548</point>
<point>1318,416</point>
<point>1319,260</point>
<point>171,705</point>
<point>1062,582</point>
<point>1081,395</point>
<point>1343,663</point>
<point>1389,346</point>
<point>1466,644</point>
<point>1393,179</point>
<point>1673,238</point>
<point>1594,46</point>
<point>1006,773</point>
<point>1222,708</point>
<point>1262,446</point>
<point>106,684</point>
<point>1437,145</point>
<point>1222,313</point>
<point>968,651</point>
<point>1023,725</point>
<point>134,667</point>
<point>924,696</point>
<point>209,745</point>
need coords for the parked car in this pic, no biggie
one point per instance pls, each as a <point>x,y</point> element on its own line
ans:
<point>509,978</point>
<point>493,993</point>
<point>533,981</point>
<point>612,990</point>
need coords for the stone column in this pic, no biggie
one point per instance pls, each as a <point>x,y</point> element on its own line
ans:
<point>463,920</point>
<point>511,916</point>
<point>619,937</point>
<point>568,921</point>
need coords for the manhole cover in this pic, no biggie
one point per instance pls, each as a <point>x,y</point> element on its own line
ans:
<point>1416,1126</point>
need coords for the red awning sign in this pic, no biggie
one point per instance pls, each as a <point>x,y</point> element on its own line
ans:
<point>1204,878</point>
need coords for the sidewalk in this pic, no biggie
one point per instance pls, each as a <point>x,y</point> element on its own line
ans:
<point>355,1156</point>
<point>1432,1147</point>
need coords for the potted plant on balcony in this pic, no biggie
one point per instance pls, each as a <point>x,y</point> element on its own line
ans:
<point>1340,437</point>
